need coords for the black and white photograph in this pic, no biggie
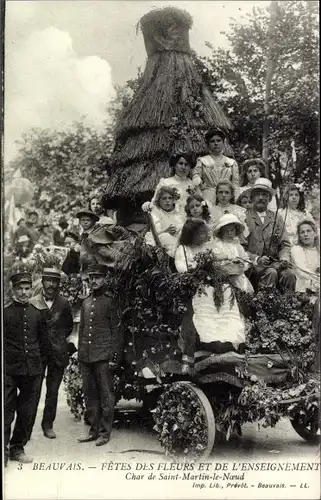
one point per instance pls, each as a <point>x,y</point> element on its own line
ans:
<point>161,250</point>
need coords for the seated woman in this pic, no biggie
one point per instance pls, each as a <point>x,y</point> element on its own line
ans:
<point>306,258</point>
<point>167,221</point>
<point>204,326</point>
<point>227,249</point>
<point>294,211</point>
<point>181,165</point>
<point>215,167</point>
<point>252,170</point>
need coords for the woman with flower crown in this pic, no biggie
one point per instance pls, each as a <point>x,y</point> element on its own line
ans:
<point>294,211</point>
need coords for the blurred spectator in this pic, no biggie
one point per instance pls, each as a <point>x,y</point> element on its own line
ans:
<point>59,232</point>
<point>46,237</point>
<point>31,226</point>
<point>22,247</point>
<point>20,231</point>
<point>105,217</point>
<point>71,264</point>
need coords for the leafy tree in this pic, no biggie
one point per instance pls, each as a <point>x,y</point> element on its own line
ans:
<point>238,78</point>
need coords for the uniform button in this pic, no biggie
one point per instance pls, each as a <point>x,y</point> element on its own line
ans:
<point>90,335</point>
<point>89,342</point>
<point>90,328</point>
<point>27,350</point>
<point>26,337</point>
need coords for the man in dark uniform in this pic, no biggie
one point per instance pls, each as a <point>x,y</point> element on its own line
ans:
<point>24,340</point>
<point>58,316</point>
<point>99,349</point>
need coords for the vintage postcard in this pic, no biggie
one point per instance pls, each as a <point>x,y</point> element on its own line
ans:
<point>161,250</point>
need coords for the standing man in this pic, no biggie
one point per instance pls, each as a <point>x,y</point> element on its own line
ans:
<point>99,349</point>
<point>87,221</point>
<point>57,313</point>
<point>268,243</point>
<point>24,339</point>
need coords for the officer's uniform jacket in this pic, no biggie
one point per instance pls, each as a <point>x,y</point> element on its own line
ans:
<point>100,332</point>
<point>24,339</point>
<point>59,322</point>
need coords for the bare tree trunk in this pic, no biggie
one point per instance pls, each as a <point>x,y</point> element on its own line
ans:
<point>270,69</point>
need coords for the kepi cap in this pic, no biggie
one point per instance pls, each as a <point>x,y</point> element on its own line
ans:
<point>97,269</point>
<point>21,277</point>
<point>51,272</point>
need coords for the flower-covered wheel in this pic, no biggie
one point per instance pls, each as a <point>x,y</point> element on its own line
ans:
<point>307,426</point>
<point>184,421</point>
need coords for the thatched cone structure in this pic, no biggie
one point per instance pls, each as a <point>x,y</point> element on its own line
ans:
<point>170,112</point>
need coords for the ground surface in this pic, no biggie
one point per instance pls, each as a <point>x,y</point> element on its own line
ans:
<point>133,445</point>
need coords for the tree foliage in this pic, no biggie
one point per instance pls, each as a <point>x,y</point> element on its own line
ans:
<point>238,78</point>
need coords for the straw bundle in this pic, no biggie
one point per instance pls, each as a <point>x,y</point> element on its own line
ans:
<point>170,111</point>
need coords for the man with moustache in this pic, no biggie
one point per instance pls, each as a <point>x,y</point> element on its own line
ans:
<point>268,244</point>
<point>99,349</point>
<point>24,340</point>
<point>57,313</point>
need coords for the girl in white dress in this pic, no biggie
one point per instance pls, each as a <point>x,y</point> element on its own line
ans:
<point>167,221</point>
<point>294,211</point>
<point>217,330</point>
<point>252,170</point>
<point>197,208</point>
<point>225,194</point>
<point>182,165</point>
<point>227,249</point>
<point>306,258</point>
<point>215,167</point>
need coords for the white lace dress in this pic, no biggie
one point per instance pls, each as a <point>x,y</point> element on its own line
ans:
<point>162,220</point>
<point>212,326</point>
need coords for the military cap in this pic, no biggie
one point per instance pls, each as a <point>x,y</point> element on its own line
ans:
<point>51,272</point>
<point>97,269</point>
<point>21,277</point>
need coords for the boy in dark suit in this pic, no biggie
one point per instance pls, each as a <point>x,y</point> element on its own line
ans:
<point>57,313</point>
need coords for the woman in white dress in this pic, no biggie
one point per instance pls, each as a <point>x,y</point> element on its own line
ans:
<point>167,221</point>
<point>215,167</point>
<point>294,211</point>
<point>252,170</point>
<point>306,258</point>
<point>182,165</point>
<point>215,330</point>
<point>227,249</point>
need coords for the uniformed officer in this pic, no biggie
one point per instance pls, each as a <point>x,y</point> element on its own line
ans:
<point>99,350</point>
<point>58,316</point>
<point>24,340</point>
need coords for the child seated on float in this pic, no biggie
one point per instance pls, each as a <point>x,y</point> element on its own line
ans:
<point>196,207</point>
<point>204,325</point>
<point>167,221</point>
<point>181,165</point>
<point>228,250</point>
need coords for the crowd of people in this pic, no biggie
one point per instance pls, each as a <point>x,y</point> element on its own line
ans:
<point>204,205</point>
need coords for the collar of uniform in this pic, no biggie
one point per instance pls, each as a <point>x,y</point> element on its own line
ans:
<point>18,303</point>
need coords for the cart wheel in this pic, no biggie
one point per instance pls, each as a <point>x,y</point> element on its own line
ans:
<point>308,429</point>
<point>175,415</point>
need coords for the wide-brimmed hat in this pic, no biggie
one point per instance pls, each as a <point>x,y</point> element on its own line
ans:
<point>51,272</point>
<point>263,184</point>
<point>228,219</point>
<point>97,269</point>
<point>88,213</point>
<point>253,161</point>
<point>245,192</point>
<point>21,277</point>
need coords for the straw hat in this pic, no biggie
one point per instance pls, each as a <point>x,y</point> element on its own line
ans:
<point>263,184</point>
<point>228,219</point>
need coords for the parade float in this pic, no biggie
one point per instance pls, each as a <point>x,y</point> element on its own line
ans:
<point>278,376</point>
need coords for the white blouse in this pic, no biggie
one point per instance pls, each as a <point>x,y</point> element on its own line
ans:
<point>292,219</point>
<point>305,259</point>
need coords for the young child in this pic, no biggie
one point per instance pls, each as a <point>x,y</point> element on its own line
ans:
<point>227,249</point>
<point>197,208</point>
<point>294,211</point>
<point>204,326</point>
<point>244,200</point>
<point>168,222</point>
